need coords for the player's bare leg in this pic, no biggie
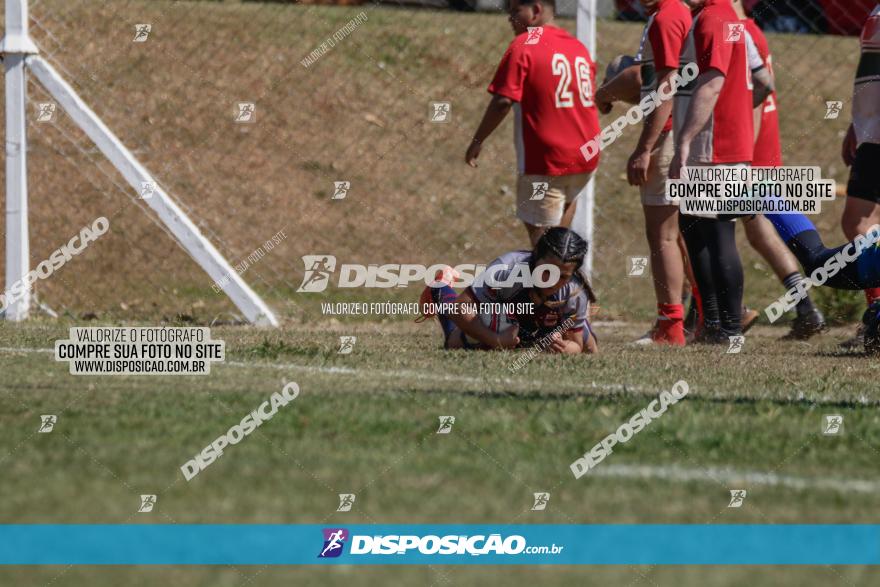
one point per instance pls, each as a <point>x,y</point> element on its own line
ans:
<point>858,216</point>
<point>765,240</point>
<point>667,268</point>
<point>535,232</point>
<point>661,229</point>
<point>568,214</point>
<point>591,347</point>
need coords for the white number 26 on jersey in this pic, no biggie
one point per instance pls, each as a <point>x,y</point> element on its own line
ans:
<point>562,68</point>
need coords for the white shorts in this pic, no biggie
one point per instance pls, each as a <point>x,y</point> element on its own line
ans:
<point>654,192</point>
<point>541,199</point>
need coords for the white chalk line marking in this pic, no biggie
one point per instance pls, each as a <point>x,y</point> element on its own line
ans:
<point>732,479</point>
<point>515,384</point>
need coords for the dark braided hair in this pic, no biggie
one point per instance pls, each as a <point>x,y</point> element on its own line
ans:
<point>563,243</point>
<point>567,246</point>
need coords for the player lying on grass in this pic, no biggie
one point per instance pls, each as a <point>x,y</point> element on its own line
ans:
<point>557,320</point>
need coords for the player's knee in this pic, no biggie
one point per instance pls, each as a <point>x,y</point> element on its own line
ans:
<point>754,234</point>
<point>849,226</point>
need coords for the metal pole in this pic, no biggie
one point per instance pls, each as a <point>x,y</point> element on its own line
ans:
<point>583,214</point>
<point>172,216</point>
<point>15,47</point>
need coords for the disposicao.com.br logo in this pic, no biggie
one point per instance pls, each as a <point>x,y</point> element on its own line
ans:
<point>319,269</point>
<point>430,544</point>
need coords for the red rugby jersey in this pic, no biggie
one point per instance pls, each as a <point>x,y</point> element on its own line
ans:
<point>662,42</point>
<point>717,40</point>
<point>552,76</point>
<point>768,148</point>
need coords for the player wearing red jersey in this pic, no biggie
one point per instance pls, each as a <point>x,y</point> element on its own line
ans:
<point>550,76</point>
<point>760,232</point>
<point>714,127</point>
<point>668,24</point>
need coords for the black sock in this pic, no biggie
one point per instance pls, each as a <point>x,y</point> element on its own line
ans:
<point>805,306</point>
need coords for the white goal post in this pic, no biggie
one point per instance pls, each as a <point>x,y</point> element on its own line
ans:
<point>583,215</point>
<point>19,55</point>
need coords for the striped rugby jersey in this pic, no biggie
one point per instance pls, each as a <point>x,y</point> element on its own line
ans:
<point>718,40</point>
<point>662,42</point>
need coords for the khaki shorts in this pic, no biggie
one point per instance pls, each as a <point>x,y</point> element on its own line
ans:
<point>654,192</point>
<point>541,199</point>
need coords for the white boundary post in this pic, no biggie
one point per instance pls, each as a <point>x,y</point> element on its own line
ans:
<point>583,216</point>
<point>187,233</point>
<point>15,47</point>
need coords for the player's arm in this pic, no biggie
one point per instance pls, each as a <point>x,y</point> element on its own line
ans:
<point>762,78</point>
<point>757,115</point>
<point>762,86</point>
<point>497,109</point>
<point>706,94</point>
<point>640,160</point>
<point>570,342</point>
<point>467,320</point>
<point>624,87</point>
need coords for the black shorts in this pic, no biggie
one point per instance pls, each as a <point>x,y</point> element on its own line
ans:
<point>864,178</point>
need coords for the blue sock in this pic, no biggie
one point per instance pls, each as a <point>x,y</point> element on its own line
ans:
<point>803,240</point>
<point>790,225</point>
<point>444,295</point>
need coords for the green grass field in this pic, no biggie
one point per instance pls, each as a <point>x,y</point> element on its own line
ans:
<point>358,114</point>
<point>366,423</point>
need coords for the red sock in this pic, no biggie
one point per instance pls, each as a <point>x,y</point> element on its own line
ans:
<point>670,324</point>
<point>871,294</point>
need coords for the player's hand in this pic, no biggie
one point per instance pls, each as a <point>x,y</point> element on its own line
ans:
<point>602,103</point>
<point>472,153</point>
<point>637,167</point>
<point>557,343</point>
<point>681,155</point>
<point>509,338</point>
<point>848,150</point>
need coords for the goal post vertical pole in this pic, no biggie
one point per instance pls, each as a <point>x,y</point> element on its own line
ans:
<point>583,216</point>
<point>15,47</point>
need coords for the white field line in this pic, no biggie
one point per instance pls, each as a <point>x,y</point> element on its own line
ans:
<point>24,350</point>
<point>426,375</point>
<point>395,373</point>
<point>520,384</point>
<point>733,479</point>
<point>675,473</point>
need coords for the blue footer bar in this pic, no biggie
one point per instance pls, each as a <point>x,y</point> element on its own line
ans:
<point>210,544</point>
